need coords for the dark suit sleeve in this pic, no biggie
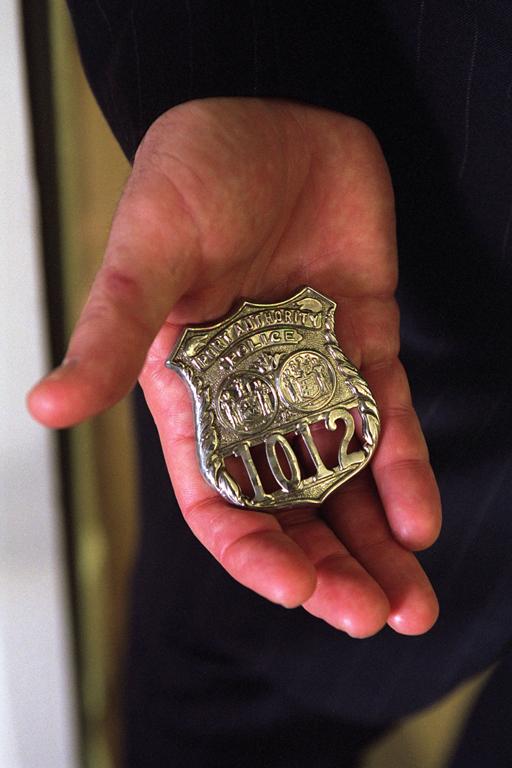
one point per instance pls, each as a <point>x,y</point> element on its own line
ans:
<point>142,58</point>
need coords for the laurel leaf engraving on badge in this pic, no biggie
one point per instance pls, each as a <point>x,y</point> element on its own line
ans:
<point>371,428</point>
<point>367,407</point>
<point>229,488</point>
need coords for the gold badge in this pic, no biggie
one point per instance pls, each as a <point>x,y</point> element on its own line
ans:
<point>262,376</point>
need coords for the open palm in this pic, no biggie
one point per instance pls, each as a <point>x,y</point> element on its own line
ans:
<point>234,198</point>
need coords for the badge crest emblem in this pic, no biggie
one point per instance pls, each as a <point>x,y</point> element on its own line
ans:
<point>263,374</point>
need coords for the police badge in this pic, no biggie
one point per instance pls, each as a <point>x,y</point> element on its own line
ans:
<point>263,375</point>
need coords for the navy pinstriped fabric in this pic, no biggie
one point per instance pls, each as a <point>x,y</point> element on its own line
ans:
<point>434,81</point>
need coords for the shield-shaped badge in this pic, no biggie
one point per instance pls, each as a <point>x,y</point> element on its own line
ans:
<point>262,375</point>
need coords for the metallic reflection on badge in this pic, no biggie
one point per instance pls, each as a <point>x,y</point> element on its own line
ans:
<point>272,389</point>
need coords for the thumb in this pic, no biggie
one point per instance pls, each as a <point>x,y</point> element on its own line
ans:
<point>149,264</point>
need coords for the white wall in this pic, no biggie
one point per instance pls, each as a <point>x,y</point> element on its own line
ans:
<point>37,706</point>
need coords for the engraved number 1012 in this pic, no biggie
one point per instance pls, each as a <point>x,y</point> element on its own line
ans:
<point>294,479</point>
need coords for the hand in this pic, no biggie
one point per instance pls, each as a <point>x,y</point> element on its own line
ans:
<point>233,198</point>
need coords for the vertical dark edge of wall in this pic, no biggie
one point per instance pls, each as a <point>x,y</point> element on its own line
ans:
<point>37,42</point>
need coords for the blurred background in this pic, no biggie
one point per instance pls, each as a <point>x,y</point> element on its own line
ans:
<point>68,501</point>
<point>68,522</point>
